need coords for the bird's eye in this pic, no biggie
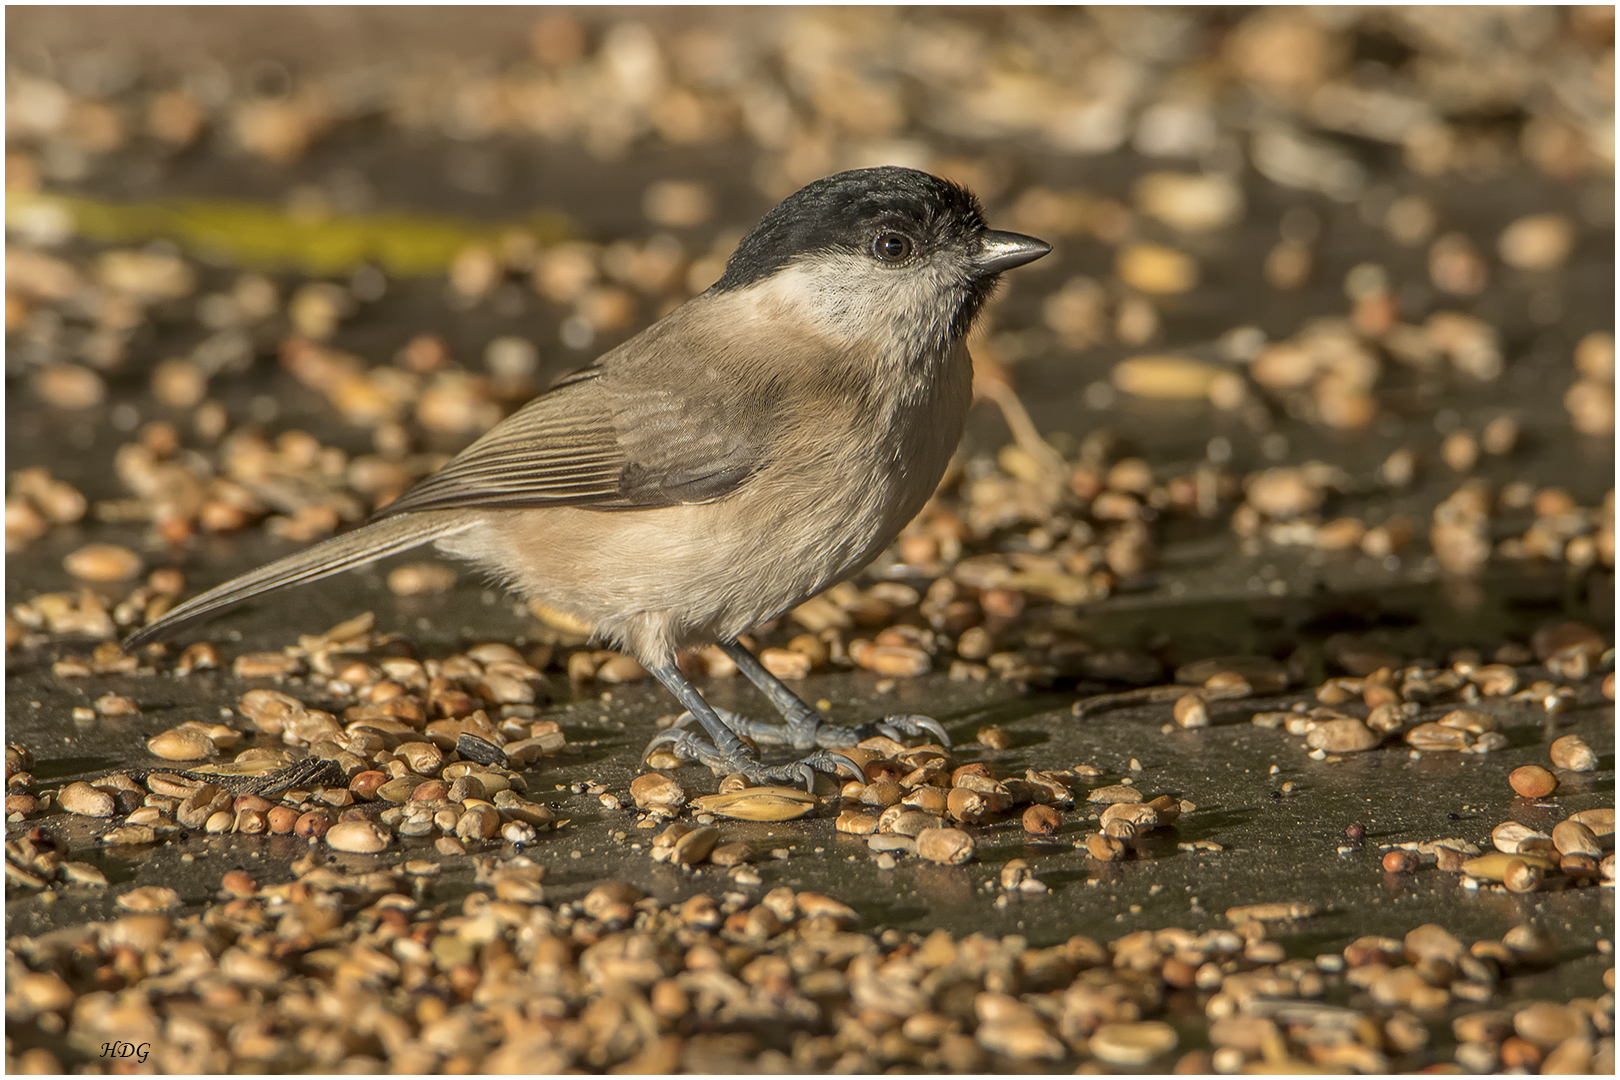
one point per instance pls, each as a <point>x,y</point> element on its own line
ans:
<point>892,247</point>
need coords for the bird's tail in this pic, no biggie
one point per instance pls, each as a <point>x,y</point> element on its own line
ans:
<point>363,545</point>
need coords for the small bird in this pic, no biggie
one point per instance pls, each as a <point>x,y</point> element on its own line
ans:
<point>762,442</point>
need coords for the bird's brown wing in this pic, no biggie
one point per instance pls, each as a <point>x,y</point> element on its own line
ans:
<point>602,444</point>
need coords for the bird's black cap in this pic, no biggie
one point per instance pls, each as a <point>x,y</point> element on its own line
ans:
<point>845,211</point>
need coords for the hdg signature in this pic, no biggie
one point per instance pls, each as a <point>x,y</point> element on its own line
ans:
<point>125,1049</point>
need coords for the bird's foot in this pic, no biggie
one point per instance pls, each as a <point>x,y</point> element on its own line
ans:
<point>813,731</point>
<point>688,745</point>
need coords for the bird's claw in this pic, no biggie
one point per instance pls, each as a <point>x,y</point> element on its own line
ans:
<point>896,726</point>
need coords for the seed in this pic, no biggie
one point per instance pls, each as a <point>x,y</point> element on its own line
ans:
<point>895,660</point>
<point>1493,867</point>
<point>44,992</point>
<point>149,898</point>
<point>238,883</point>
<point>364,837</point>
<point>111,705</point>
<point>367,783</point>
<point>903,821</point>
<point>1475,723</point>
<point>1532,781</point>
<point>1510,837</point>
<point>1342,736</point>
<point>928,799</point>
<point>424,758</point>
<point>1400,862</point>
<point>856,823</point>
<point>1546,1024</point>
<point>143,933</point>
<point>1153,268</point>
<point>1449,860</point>
<point>399,789</point>
<point>263,665</point>
<point>1495,680</point>
<point>759,804</point>
<point>1042,820</point>
<point>81,798</point>
<point>1190,711</point>
<point>1269,912</point>
<point>1140,815</point>
<point>966,805</point>
<point>1559,638</point>
<point>518,832</point>
<point>1573,838</point>
<point>882,793</point>
<point>1189,202</point>
<point>696,845</point>
<point>1599,819</point>
<point>1460,451</point>
<point>655,791</point>
<point>1104,848</point>
<point>949,846</point>
<point>1579,868</point>
<point>1019,1040</point>
<point>993,737</point>
<point>103,562</point>
<point>480,822</point>
<point>1435,737</point>
<point>1571,752</point>
<point>1165,378</point>
<point>1133,1045</point>
<point>282,819</point>
<point>181,744</point>
<point>69,386</point>
<point>313,824</point>
<point>431,791</point>
<point>421,579</point>
<point>1537,242</point>
<point>1500,436</point>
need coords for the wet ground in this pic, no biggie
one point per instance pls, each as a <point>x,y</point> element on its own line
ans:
<point>1209,594</point>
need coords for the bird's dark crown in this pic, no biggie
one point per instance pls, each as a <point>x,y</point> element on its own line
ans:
<point>847,211</point>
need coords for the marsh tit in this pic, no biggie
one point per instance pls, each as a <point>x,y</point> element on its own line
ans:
<point>762,442</point>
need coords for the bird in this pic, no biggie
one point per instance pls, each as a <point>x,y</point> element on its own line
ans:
<point>762,442</point>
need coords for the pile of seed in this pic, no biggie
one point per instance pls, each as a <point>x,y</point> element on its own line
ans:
<point>356,969</point>
<point>912,801</point>
<point>427,749</point>
<point>1026,527</point>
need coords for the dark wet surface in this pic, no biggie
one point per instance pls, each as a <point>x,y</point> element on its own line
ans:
<point>1208,598</point>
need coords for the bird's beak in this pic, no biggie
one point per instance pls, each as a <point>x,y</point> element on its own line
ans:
<point>1005,250</point>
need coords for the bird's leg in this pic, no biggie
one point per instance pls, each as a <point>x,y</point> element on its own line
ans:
<point>802,720</point>
<point>805,727</point>
<point>726,753</point>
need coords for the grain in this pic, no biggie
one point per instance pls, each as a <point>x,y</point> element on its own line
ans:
<point>81,798</point>
<point>1532,781</point>
<point>1133,1045</point>
<point>654,791</point>
<point>103,563</point>
<point>1571,752</point>
<point>179,744</point>
<point>945,845</point>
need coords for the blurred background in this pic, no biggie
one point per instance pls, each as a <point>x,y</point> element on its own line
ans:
<point>1334,285</point>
